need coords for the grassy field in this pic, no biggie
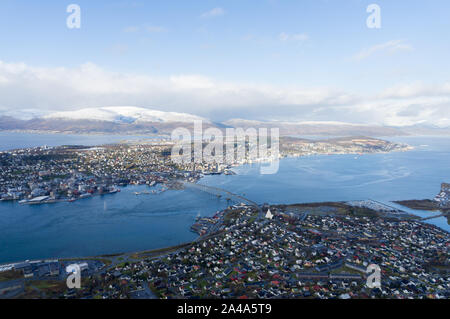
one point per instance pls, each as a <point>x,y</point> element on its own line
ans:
<point>425,204</point>
<point>10,275</point>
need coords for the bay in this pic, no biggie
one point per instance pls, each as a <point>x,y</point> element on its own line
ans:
<point>15,140</point>
<point>125,222</point>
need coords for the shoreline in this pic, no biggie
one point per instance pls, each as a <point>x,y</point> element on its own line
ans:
<point>228,171</point>
<point>238,166</point>
<point>54,201</point>
<point>163,250</point>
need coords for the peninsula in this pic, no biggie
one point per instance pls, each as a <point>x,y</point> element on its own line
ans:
<point>66,173</point>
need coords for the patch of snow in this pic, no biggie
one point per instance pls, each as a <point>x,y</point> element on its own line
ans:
<point>125,114</point>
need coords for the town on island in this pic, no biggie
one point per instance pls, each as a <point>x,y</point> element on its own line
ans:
<point>248,250</point>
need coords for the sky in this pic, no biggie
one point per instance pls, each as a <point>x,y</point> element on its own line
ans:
<point>299,60</point>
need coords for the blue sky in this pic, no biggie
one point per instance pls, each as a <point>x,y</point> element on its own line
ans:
<point>311,59</point>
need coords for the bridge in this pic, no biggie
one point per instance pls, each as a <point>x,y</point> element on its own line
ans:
<point>220,192</point>
<point>432,217</point>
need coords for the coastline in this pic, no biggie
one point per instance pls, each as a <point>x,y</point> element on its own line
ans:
<point>157,252</point>
<point>227,171</point>
<point>241,166</point>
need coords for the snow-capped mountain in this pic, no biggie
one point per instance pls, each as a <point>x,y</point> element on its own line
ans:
<point>137,120</point>
<point>124,114</point>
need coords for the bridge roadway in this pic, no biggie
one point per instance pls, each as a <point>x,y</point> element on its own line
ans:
<point>432,217</point>
<point>240,199</point>
<point>220,192</point>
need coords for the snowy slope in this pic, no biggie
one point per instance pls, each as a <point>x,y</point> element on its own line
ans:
<point>124,114</point>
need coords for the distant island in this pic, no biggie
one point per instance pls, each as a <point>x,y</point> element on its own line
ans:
<point>66,173</point>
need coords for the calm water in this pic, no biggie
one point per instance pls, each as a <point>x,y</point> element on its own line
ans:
<point>416,174</point>
<point>104,224</point>
<point>13,140</point>
<point>126,222</point>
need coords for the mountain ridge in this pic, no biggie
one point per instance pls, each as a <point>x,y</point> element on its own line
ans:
<point>124,114</point>
<point>137,120</point>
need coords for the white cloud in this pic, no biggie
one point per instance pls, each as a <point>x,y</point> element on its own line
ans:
<point>404,112</point>
<point>155,29</point>
<point>389,47</point>
<point>213,13</point>
<point>299,37</point>
<point>131,29</point>
<point>28,89</point>
<point>416,89</point>
<point>120,49</point>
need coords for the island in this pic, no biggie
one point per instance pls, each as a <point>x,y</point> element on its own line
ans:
<point>248,250</point>
<point>43,175</point>
<point>318,250</point>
